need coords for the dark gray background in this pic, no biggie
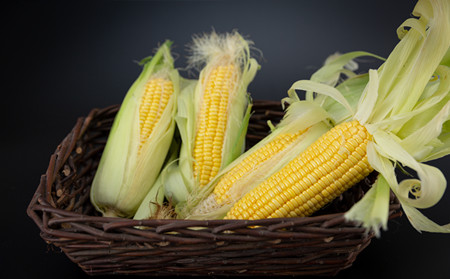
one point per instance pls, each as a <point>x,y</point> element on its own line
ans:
<point>61,59</point>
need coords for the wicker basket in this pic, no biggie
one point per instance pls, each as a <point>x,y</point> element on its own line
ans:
<point>322,244</point>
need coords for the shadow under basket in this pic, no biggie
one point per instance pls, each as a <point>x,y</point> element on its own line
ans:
<point>322,244</point>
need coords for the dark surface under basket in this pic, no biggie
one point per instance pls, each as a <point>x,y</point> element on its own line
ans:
<point>320,245</point>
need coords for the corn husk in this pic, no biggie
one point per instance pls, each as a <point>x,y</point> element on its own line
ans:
<point>125,175</point>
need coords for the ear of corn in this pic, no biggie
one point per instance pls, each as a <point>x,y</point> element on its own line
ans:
<point>213,116</point>
<point>328,167</point>
<point>212,122</point>
<point>390,133</point>
<point>139,139</point>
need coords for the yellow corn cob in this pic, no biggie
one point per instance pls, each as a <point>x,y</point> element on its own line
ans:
<point>222,188</point>
<point>209,139</point>
<point>331,165</point>
<point>154,101</point>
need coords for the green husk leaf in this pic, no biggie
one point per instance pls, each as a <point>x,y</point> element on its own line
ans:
<point>372,210</point>
<point>323,89</point>
<point>176,184</point>
<point>446,59</point>
<point>151,206</point>
<point>336,66</point>
<point>351,89</point>
<point>239,146</point>
<point>422,142</point>
<point>421,223</point>
<point>152,202</point>
<point>368,99</point>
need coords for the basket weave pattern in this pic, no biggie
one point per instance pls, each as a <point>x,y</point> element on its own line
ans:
<point>322,244</point>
